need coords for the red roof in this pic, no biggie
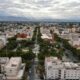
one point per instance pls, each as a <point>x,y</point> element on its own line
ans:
<point>22,35</point>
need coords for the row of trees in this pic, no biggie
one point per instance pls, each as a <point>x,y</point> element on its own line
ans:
<point>34,35</point>
<point>48,49</point>
<point>14,49</point>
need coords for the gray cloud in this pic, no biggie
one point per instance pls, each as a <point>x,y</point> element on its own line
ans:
<point>40,8</point>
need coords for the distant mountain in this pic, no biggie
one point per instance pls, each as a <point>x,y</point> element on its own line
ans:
<point>42,19</point>
<point>13,18</point>
<point>70,19</point>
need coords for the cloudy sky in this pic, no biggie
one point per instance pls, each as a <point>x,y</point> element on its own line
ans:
<point>58,9</point>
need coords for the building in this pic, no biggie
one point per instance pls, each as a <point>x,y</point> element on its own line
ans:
<point>75,41</point>
<point>3,41</point>
<point>10,34</point>
<point>55,69</point>
<point>3,62</point>
<point>13,69</point>
<point>46,35</point>
<point>25,34</point>
<point>1,44</point>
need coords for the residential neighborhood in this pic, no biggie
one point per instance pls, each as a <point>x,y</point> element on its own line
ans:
<point>40,51</point>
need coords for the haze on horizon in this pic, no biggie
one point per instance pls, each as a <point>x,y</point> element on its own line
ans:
<point>38,9</point>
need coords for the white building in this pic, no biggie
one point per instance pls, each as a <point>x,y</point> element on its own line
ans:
<point>46,35</point>
<point>56,69</point>
<point>75,41</point>
<point>3,62</point>
<point>3,41</point>
<point>13,66</point>
<point>14,69</point>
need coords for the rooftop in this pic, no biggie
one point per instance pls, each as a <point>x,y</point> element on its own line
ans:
<point>3,60</point>
<point>14,61</point>
<point>70,65</point>
<point>55,61</point>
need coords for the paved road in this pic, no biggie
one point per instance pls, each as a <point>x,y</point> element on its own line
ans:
<point>33,75</point>
<point>31,72</point>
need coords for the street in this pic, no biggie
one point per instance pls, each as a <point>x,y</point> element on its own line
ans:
<point>33,75</point>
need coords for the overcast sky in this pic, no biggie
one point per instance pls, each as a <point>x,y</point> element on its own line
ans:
<point>40,8</point>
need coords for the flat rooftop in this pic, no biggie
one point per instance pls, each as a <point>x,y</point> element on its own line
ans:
<point>70,65</point>
<point>14,62</point>
<point>54,60</point>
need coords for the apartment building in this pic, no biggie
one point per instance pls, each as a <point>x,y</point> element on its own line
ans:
<point>55,69</point>
<point>13,68</point>
<point>3,63</point>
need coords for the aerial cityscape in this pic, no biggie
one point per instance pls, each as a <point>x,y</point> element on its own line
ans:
<point>39,51</point>
<point>39,39</point>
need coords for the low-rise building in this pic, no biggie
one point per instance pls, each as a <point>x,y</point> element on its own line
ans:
<point>25,34</point>
<point>10,34</point>
<point>46,35</point>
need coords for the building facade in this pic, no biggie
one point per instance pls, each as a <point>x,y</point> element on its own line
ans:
<point>55,69</point>
<point>13,68</point>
